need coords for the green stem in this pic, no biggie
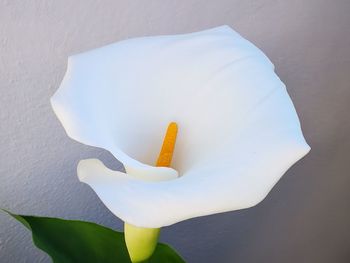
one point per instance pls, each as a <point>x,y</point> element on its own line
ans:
<point>141,242</point>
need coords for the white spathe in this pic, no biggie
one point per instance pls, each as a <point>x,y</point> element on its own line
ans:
<point>238,129</point>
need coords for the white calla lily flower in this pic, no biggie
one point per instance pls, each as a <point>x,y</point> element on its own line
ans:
<point>238,129</point>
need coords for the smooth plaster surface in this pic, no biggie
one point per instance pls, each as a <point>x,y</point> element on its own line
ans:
<point>306,217</point>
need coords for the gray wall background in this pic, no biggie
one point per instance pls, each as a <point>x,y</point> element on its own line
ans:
<point>305,218</point>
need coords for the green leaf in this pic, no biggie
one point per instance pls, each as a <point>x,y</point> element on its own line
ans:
<point>73,241</point>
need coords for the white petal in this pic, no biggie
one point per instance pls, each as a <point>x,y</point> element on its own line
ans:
<point>93,171</point>
<point>106,182</point>
<point>238,129</point>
